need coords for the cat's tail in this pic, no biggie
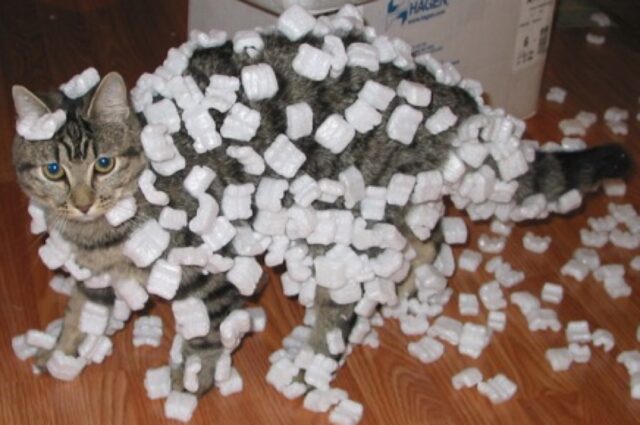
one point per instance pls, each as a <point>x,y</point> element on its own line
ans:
<point>555,173</point>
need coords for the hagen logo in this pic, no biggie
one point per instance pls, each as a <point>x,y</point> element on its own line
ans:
<point>410,11</point>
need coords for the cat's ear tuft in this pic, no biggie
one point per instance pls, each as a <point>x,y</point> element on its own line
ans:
<point>110,101</point>
<point>27,103</point>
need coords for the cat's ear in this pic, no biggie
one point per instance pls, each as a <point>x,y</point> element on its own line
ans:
<point>110,101</point>
<point>27,103</point>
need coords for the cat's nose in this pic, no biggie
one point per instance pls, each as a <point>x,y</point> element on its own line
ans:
<point>84,208</point>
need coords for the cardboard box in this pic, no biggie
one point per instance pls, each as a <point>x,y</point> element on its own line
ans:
<point>501,43</point>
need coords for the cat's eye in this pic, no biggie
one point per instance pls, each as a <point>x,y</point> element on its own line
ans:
<point>104,164</point>
<point>53,171</point>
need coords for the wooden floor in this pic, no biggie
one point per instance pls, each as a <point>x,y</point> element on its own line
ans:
<point>43,43</point>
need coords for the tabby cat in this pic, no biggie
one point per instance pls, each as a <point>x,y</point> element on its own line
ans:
<point>96,159</point>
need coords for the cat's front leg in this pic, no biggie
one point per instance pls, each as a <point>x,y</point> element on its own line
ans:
<point>84,323</point>
<point>201,357</point>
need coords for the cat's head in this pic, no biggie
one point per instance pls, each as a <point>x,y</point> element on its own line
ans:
<point>91,162</point>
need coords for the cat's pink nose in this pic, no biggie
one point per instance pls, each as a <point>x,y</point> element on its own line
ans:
<point>84,208</point>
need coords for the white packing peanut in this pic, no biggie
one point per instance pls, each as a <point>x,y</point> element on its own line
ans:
<point>312,63</point>
<point>146,243</point>
<point>80,84</point>
<point>157,382</point>
<point>151,194</point>
<point>284,157</point>
<point>252,163</point>
<point>180,406</point>
<point>249,42</point>
<point>363,55</point>
<point>295,22</point>
<point>537,244</point>
<point>259,82</point>
<point>335,133</point>
<point>241,123</point>
<point>198,180</point>
<point>191,317</point>
<point>147,330</point>
<point>362,116</point>
<point>441,120</point>
<point>552,293</point>
<point>427,349</point>
<point>403,123</point>
<point>466,378</point>
<point>299,120</point>
<point>377,95</point>
<point>172,219</point>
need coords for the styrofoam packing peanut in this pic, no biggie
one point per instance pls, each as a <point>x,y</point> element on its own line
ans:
<point>95,348</point>
<point>491,244</point>
<point>206,214</point>
<point>453,169</point>
<point>176,61</point>
<point>428,187</point>
<point>454,230</point>
<point>93,318</point>
<point>428,277</point>
<point>537,244</point>
<point>21,348</point>
<point>473,153</point>
<point>587,118</point>
<point>172,219</point>
<point>614,187</point>
<point>363,55</point>
<point>373,205</point>
<point>466,378</point>
<point>40,339</point>
<point>259,82</point>
<point>575,269</point>
<point>334,133</point>
<point>603,338</point>
<point>386,50</point>
<point>573,144</point>
<point>559,359</point>
<point>157,382</point>
<point>447,329</point>
<point>347,412</point>
<point>192,317</point>
<point>320,372</point>
<point>497,320</point>
<point>234,327</point>
<point>114,326</point>
<point>478,186</point>
<point>622,239</point>
<point>241,123</point>
<point>40,127</point>
<point>305,190</point>
<point>593,239</point>
<point>377,95</point>
<point>473,339</point>
<point>221,234</point>
<point>444,262</point>
<point>404,55</point>
<point>354,186</point>
<point>62,284</point>
<point>433,66</point>
<point>75,270</point>
<point>474,88</point>
<point>620,128</point>
<point>635,263</point>
<point>360,330</point>
<point>572,127</point>
<point>330,190</point>
<point>427,349</point>
<point>441,120</point>
<point>533,206</point>
<point>602,224</point>
<point>275,254</point>
<point>270,193</point>
<point>252,163</point>
<point>234,384</point>
<point>552,293</point>
<point>38,221</point>
<point>249,243</point>
<point>580,353</point>
<point>503,193</point>
<point>55,251</point>
<point>577,331</point>
<point>223,83</point>
<point>175,352</point>
<point>299,120</point>
<point>163,112</point>
<point>312,63</point>
<point>525,301</point>
<point>543,319</point>
<point>468,304</point>
<point>623,213</point>
<point>513,166</point>
<point>147,330</point>
<point>249,42</point>
<point>121,310</point>
<point>284,157</point>
<point>180,406</point>
<point>494,264</point>
<point>414,324</point>
<point>151,194</point>
<point>469,260</point>
<point>635,385</point>
<point>347,294</point>
<point>423,218</point>
<point>295,22</point>
<point>617,287</point>
<point>170,166</point>
<point>184,91</point>
<point>334,46</point>
<point>415,94</point>
<point>498,389</point>
<point>146,243</point>
<point>615,113</point>
<point>236,201</point>
<point>601,19</point>
<point>80,84</point>
<point>631,361</point>
<point>219,99</point>
<point>556,94</point>
<point>318,400</point>
<point>198,180</point>
<point>362,116</point>
<point>64,367</point>
<point>245,274</point>
<point>491,296</point>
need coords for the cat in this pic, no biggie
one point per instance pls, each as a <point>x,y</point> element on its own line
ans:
<point>96,158</point>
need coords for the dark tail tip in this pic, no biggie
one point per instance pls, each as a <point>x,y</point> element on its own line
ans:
<point>611,161</point>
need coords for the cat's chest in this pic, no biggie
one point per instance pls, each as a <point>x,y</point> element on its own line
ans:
<point>104,260</point>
